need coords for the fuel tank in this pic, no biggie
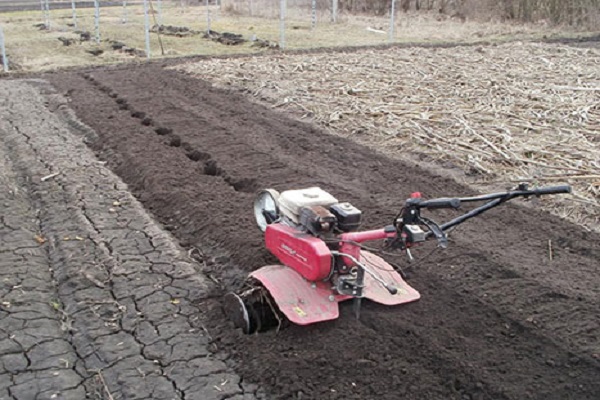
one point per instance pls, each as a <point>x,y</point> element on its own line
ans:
<point>304,253</point>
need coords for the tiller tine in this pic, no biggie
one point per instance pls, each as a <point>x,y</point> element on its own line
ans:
<point>253,310</point>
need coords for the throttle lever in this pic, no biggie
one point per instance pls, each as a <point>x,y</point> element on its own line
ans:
<point>389,287</point>
<point>436,230</point>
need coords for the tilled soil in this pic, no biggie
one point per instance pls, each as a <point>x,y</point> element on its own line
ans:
<point>498,319</point>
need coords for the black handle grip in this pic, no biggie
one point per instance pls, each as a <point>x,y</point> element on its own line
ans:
<point>440,203</point>
<point>552,190</point>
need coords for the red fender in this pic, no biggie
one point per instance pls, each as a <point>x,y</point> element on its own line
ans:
<point>304,302</point>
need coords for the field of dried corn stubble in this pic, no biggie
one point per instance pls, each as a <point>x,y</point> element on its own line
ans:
<point>491,116</point>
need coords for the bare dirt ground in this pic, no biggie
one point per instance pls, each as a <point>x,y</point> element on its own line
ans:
<point>97,301</point>
<point>498,319</point>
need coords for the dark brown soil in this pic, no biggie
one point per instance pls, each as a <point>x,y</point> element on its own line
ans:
<point>497,320</point>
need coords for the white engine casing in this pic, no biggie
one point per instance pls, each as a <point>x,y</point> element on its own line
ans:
<point>291,201</point>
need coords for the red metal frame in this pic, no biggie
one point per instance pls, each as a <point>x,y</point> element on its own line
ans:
<point>349,241</point>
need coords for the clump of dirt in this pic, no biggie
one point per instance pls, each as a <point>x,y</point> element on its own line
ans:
<point>84,36</point>
<point>256,42</point>
<point>95,52</point>
<point>66,41</point>
<point>226,38</point>
<point>123,48</point>
<point>116,45</point>
<point>41,26</point>
<point>170,30</point>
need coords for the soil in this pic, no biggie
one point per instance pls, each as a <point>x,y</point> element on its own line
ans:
<point>498,318</point>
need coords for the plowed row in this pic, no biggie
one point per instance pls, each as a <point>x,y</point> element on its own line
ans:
<point>498,318</point>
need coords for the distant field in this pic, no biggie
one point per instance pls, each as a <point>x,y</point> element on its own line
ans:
<point>31,48</point>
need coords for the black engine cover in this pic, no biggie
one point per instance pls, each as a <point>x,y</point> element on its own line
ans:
<point>348,217</point>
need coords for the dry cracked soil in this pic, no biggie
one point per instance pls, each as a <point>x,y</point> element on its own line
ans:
<point>112,267</point>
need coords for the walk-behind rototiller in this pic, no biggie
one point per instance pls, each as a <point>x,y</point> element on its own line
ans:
<point>323,259</point>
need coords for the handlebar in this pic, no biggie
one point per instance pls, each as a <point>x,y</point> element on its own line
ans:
<point>496,199</point>
<point>445,202</point>
<point>522,191</point>
<point>440,203</point>
<point>552,190</point>
<point>411,211</point>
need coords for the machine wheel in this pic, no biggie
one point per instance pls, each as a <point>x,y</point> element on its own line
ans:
<point>253,311</point>
<point>237,312</point>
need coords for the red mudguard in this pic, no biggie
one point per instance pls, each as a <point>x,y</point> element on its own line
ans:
<point>300,251</point>
<point>304,302</point>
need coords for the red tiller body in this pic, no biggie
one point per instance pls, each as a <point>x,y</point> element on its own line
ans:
<point>304,253</point>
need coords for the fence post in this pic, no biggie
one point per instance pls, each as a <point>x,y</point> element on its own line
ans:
<point>207,18</point>
<point>74,14</point>
<point>392,22</point>
<point>3,51</point>
<point>147,29</point>
<point>250,6</point>
<point>47,13</point>
<point>334,11</point>
<point>313,15</point>
<point>124,18</point>
<point>159,12</point>
<point>97,19</point>
<point>282,7</point>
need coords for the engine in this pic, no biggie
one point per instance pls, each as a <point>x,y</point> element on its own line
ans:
<point>300,228</point>
<point>318,212</point>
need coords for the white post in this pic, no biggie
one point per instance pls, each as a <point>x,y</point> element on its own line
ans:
<point>159,12</point>
<point>334,11</point>
<point>282,7</point>
<point>47,13</point>
<point>124,18</point>
<point>207,18</point>
<point>250,6</point>
<point>313,15</point>
<point>74,14</point>
<point>147,28</point>
<point>97,19</point>
<point>3,51</point>
<point>392,22</point>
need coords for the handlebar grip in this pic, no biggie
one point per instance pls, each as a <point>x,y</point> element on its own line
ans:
<point>440,203</point>
<point>553,190</point>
